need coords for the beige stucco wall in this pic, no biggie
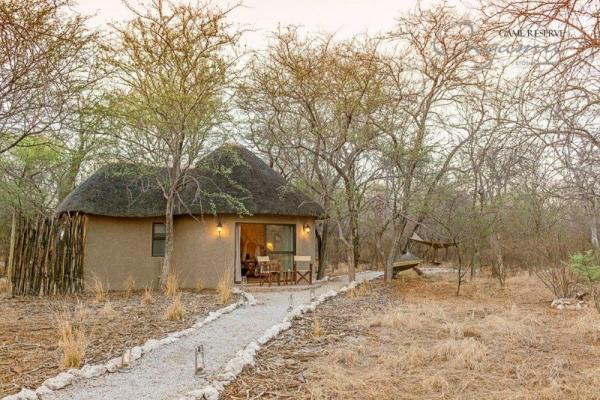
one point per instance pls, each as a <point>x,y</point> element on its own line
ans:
<point>118,247</point>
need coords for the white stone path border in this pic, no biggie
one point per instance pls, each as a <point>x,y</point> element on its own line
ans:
<point>233,368</point>
<point>89,371</point>
<point>247,356</point>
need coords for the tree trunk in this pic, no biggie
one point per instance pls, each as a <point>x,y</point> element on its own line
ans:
<point>594,225</point>
<point>322,247</point>
<point>166,267</point>
<point>11,251</point>
<point>499,264</point>
<point>388,273</point>
<point>354,239</point>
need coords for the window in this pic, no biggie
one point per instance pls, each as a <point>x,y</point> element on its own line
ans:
<point>280,243</point>
<point>158,240</point>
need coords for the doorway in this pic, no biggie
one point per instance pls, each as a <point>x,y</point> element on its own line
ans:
<point>278,241</point>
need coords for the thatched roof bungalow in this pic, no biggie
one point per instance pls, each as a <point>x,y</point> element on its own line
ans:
<point>233,208</point>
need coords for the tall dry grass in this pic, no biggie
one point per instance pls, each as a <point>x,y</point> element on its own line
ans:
<point>172,285</point>
<point>175,311</point>
<point>224,287</point>
<point>99,290</point>
<point>147,298</point>
<point>4,285</point>
<point>129,286</point>
<point>72,342</point>
<point>199,285</point>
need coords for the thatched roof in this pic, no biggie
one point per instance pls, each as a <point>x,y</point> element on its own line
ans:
<point>230,180</point>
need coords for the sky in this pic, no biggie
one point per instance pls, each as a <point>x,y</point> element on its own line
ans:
<point>345,18</point>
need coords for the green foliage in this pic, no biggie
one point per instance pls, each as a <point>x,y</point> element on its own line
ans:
<point>584,264</point>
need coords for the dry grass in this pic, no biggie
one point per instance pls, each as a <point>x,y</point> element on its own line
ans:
<point>99,290</point>
<point>414,339</point>
<point>352,293</point>
<point>108,311</point>
<point>172,285</point>
<point>364,289</point>
<point>224,287</point>
<point>129,286</point>
<point>29,337</point>
<point>147,298</point>
<point>317,329</point>
<point>175,311</point>
<point>72,342</point>
<point>4,286</point>
<point>199,285</point>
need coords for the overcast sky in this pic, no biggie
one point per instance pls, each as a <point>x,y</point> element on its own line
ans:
<point>344,17</point>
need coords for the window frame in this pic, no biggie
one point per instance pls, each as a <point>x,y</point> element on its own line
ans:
<point>157,237</point>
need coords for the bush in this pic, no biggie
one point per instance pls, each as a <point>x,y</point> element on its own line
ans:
<point>561,280</point>
<point>584,264</point>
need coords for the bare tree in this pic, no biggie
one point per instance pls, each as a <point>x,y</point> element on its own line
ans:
<point>435,64</point>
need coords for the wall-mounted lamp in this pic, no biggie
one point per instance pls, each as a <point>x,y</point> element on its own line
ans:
<point>306,228</point>
<point>219,228</point>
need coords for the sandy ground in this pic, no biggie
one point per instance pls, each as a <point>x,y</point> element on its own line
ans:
<point>168,372</point>
<point>414,339</point>
<point>29,351</point>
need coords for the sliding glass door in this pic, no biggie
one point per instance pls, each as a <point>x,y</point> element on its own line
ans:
<point>281,243</point>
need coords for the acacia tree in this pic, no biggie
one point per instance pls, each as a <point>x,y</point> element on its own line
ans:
<point>562,91</point>
<point>428,79</point>
<point>43,56</point>
<point>171,65</point>
<point>308,102</point>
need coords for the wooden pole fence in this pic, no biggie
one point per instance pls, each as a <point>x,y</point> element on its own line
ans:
<point>47,255</point>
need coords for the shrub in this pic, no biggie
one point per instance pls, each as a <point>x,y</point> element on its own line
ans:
<point>175,311</point>
<point>584,264</point>
<point>224,288</point>
<point>561,280</point>
<point>72,342</point>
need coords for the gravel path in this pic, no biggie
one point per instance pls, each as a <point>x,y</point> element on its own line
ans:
<point>168,372</point>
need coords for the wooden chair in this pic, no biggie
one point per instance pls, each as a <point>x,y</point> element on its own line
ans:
<point>303,269</point>
<point>267,270</point>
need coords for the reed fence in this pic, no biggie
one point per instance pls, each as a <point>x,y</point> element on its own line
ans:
<point>48,255</point>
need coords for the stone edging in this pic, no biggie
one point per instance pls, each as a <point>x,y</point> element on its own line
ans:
<point>88,371</point>
<point>247,356</point>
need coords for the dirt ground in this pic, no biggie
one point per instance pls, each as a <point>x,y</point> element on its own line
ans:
<point>414,339</point>
<point>29,351</point>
